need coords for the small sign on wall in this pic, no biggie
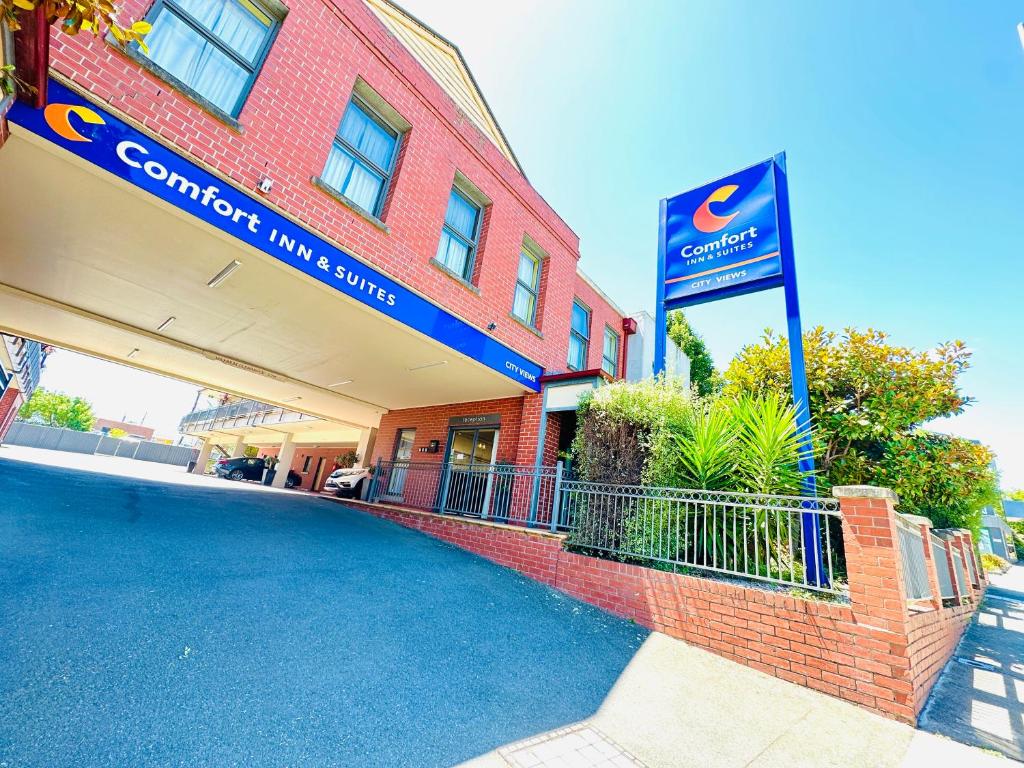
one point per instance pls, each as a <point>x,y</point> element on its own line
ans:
<point>488,420</point>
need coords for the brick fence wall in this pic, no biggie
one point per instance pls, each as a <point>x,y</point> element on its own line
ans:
<point>874,651</point>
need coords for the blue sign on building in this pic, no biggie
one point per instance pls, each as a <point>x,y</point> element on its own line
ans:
<point>97,136</point>
<point>721,239</point>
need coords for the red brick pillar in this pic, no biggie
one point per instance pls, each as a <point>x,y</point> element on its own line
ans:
<point>873,565</point>
<point>925,526</point>
<point>529,429</point>
<point>878,598</point>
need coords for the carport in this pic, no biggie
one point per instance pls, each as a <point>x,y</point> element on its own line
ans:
<point>142,272</point>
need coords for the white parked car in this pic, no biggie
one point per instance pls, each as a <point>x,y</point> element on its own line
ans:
<point>348,482</point>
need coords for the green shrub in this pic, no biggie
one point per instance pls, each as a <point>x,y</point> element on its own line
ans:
<point>619,425</point>
<point>993,563</point>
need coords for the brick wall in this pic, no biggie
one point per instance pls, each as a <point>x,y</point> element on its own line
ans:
<point>431,423</point>
<point>601,314</point>
<point>931,639</point>
<point>314,454</point>
<point>517,438</point>
<point>285,131</point>
<point>871,652</point>
<point>10,401</point>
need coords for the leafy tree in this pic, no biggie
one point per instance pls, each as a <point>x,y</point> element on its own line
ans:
<point>71,17</point>
<point>868,400</point>
<point>703,376</point>
<point>1017,495</point>
<point>56,409</point>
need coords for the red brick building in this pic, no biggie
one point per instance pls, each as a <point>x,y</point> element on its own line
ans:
<point>361,125</point>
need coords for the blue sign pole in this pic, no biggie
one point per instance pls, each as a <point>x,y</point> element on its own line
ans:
<point>810,522</point>
<point>660,315</point>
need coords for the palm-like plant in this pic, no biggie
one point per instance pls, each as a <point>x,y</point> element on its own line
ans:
<point>751,444</point>
<point>706,451</point>
<point>768,445</point>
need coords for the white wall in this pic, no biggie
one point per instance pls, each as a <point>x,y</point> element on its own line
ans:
<point>640,353</point>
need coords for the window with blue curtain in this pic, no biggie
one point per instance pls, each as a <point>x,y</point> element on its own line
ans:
<point>579,337</point>
<point>610,355</point>
<point>362,158</point>
<point>456,251</point>
<point>214,47</point>
<point>524,303</point>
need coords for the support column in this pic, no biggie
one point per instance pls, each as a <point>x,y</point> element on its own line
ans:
<point>367,439</point>
<point>204,456</point>
<point>239,450</point>
<point>284,463</point>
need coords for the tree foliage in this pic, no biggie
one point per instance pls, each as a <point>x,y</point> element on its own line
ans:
<point>71,17</point>
<point>55,409</point>
<point>703,376</point>
<point>868,400</point>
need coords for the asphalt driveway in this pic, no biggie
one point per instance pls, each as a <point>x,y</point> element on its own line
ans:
<point>149,623</point>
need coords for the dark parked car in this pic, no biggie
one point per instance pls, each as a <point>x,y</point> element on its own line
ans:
<point>251,469</point>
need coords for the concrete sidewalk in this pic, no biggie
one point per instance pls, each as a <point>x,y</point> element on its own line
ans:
<point>981,701</point>
<point>676,706</point>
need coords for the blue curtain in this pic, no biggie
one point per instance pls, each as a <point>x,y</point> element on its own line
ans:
<point>178,48</point>
<point>461,215</point>
<point>367,137</point>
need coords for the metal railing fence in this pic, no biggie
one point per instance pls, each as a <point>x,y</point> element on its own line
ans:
<point>915,566</point>
<point>238,414</point>
<point>241,408</point>
<point>747,535</point>
<point>507,493</point>
<point>754,536</point>
<point>972,574</point>
<point>941,566</point>
<point>958,571</point>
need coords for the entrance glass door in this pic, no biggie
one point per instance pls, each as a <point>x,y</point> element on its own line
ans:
<point>471,453</point>
<point>400,467</point>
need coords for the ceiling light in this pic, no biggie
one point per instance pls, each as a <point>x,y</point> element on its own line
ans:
<point>133,353</point>
<point>339,383</point>
<point>224,274</point>
<point>166,324</point>
<point>427,365</point>
<point>291,399</point>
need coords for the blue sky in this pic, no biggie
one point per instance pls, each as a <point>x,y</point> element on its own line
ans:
<point>903,125</point>
<point>904,129</point>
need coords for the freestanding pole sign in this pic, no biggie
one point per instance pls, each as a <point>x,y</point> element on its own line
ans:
<point>728,238</point>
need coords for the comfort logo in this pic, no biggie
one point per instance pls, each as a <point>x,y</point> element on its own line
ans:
<point>705,220</point>
<point>57,117</point>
